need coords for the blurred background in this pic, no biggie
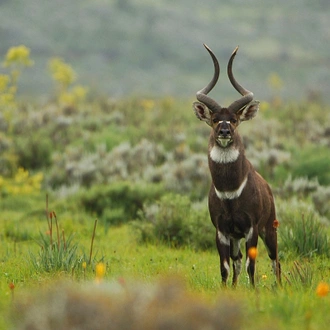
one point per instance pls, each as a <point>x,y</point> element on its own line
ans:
<point>154,48</point>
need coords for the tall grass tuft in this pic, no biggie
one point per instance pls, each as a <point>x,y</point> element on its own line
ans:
<point>300,275</point>
<point>305,237</point>
<point>60,255</point>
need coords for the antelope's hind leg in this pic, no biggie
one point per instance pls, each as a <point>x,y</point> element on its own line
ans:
<point>270,240</point>
<point>251,242</point>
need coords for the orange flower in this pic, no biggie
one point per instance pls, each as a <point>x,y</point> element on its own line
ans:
<point>322,289</point>
<point>276,223</point>
<point>252,252</point>
<point>11,286</point>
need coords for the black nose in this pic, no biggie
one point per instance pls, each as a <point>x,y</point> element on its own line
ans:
<point>224,131</point>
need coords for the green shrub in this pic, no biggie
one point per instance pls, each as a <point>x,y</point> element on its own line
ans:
<point>118,202</point>
<point>173,220</point>
<point>321,199</point>
<point>312,162</point>
<point>33,152</point>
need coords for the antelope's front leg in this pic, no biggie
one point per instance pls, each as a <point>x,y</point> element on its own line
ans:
<point>223,245</point>
<point>236,256</point>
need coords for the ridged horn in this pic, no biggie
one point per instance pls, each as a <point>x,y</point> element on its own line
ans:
<point>247,95</point>
<point>202,94</point>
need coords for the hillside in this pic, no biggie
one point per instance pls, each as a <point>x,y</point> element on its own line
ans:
<point>124,47</point>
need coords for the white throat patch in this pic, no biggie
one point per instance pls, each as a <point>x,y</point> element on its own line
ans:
<point>231,194</point>
<point>224,155</point>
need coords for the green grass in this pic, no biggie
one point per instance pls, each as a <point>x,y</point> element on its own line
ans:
<point>294,306</point>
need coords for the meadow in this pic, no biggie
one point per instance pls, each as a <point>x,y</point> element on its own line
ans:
<point>139,167</point>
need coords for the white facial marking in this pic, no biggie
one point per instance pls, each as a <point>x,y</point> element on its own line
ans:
<point>224,155</point>
<point>231,194</point>
<point>223,239</point>
<point>248,236</point>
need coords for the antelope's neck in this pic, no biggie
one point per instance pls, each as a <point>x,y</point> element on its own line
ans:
<point>229,169</point>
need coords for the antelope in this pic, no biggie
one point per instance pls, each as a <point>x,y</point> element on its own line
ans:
<point>241,203</point>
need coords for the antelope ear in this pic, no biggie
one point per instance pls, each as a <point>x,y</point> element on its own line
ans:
<point>249,111</point>
<point>202,112</point>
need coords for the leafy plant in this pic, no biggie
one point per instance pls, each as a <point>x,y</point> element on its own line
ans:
<point>64,76</point>
<point>174,221</point>
<point>119,202</point>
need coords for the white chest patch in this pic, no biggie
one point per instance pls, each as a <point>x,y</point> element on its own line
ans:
<point>224,155</point>
<point>231,194</point>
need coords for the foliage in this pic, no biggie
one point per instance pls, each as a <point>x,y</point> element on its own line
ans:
<point>321,199</point>
<point>312,167</point>
<point>300,275</point>
<point>64,76</point>
<point>119,202</point>
<point>305,236</point>
<point>16,59</point>
<point>56,256</point>
<point>175,221</point>
<point>21,184</point>
<point>160,52</point>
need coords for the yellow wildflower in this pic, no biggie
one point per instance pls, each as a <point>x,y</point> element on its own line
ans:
<point>18,55</point>
<point>99,271</point>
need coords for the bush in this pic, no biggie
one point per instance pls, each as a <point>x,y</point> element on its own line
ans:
<point>300,186</point>
<point>34,152</point>
<point>313,162</point>
<point>174,221</point>
<point>118,202</point>
<point>321,200</point>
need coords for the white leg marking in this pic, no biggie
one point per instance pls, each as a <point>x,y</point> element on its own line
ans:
<point>224,155</point>
<point>226,265</point>
<point>223,239</point>
<point>274,266</point>
<point>249,235</point>
<point>247,264</point>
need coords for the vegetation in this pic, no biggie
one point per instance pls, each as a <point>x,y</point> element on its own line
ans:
<point>125,47</point>
<point>139,167</point>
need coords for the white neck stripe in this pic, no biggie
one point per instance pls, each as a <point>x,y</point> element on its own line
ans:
<point>224,155</point>
<point>231,194</point>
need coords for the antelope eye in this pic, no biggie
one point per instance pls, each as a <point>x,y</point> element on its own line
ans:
<point>215,120</point>
<point>233,121</point>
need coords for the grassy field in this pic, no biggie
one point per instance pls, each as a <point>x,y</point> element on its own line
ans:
<point>294,306</point>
